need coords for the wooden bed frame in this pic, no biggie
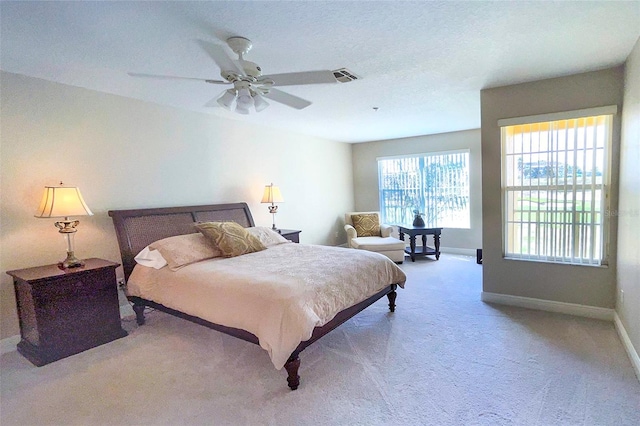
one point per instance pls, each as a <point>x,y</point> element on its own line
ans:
<point>136,229</point>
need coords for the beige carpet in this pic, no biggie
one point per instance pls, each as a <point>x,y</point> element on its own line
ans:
<point>443,358</point>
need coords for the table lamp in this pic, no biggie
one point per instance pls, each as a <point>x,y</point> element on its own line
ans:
<point>272,195</point>
<point>64,201</point>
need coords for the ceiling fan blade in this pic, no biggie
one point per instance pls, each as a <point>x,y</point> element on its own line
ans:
<point>220,57</point>
<point>172,77</point>
<point>286,99</point>
<point>306,77</point>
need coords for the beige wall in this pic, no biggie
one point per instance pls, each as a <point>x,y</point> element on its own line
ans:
<point>365,176</point>
<point>124,153</point>
<point>591,286</point>
<point>629,203</point>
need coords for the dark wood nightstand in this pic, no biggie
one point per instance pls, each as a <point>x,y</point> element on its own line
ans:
<point>290,234</point>
<point>64,312</point>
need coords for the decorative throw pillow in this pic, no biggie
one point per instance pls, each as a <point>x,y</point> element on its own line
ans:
<point>230,238</point>
<point>366,224</point>
<point>267,236</point>
<point>183,250</point>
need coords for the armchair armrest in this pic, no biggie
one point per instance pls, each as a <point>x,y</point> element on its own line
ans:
<point>386,230</point>
<point>351,233</point>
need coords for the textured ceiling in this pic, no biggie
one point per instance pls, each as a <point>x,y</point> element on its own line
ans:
<point>422,64</point>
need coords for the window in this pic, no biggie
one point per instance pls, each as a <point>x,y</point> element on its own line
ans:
<point>555,181</point>
<point>435,184</point>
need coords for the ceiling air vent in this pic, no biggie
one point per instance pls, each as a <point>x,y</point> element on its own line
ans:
<point>343,75</point>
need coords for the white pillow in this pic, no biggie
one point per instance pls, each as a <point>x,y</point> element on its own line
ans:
<point>150,258</point>
<point>182,250</point>
<point>267,236</point>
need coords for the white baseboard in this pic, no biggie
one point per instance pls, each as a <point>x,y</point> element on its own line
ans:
<point>549,305</point>
<point>626,342</point>
<point>462,251</point>
<point>571,309</point>
<point>126,311</point>
<point>9,344</point>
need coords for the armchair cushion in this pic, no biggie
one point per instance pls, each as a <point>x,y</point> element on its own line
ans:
<point>378,244</point>
<point>366,224</point>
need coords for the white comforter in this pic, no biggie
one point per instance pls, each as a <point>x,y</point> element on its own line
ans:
<point>279,294</point>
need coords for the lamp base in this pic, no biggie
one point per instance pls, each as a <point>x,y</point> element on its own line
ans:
<point>273,216</point>
<point>70,262</point>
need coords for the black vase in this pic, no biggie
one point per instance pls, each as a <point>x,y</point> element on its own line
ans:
<point>418,221</point>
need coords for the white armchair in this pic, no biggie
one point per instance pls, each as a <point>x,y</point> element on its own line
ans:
<point>381,242</point>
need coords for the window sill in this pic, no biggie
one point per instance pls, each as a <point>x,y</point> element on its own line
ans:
<point>603,265</point>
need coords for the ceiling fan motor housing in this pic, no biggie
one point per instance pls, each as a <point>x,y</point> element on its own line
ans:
<point>251,68</point>
<point>241,46</point>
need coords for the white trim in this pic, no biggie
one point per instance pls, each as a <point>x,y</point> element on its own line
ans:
<point>626,342</point>
<point>455,250</point>
<point>9,344</point>
<point>449,250</point>
<point>126,311</point>
<point>549,305</point>
<point>563,115</point>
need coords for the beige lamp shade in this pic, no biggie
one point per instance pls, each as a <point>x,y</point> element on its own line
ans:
<point>62,201</point>
<point>272,194</point>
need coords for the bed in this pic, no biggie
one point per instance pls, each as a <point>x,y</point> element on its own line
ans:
<point>282,298</point>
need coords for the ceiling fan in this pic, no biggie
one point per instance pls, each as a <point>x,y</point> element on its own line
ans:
<point>250,87</point>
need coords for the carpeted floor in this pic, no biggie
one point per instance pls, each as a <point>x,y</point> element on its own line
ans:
<point>443,358</point>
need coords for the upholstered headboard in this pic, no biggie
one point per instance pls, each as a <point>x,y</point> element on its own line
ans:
<point>136,229</point>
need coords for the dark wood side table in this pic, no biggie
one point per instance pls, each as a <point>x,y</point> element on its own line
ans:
<point>290,234</point>
<point>64,312</point>
<point>413,231</point>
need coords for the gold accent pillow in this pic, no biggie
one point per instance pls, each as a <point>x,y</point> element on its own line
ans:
<point>366,224</point>
<point>230,238</point>
<point>183,250</point>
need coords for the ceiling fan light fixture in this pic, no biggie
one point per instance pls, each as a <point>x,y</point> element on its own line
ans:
<point>244,98</point>
<point>244,101</point>
<point>259,102</point>
<point>227,98</point>
<point>242,109</point>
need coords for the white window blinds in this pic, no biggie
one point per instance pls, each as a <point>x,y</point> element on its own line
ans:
<point>555,181</point>
<point>435,184</point>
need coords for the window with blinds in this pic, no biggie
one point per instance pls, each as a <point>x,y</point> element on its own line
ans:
<point>555,181</point>
<point>435,184</point>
